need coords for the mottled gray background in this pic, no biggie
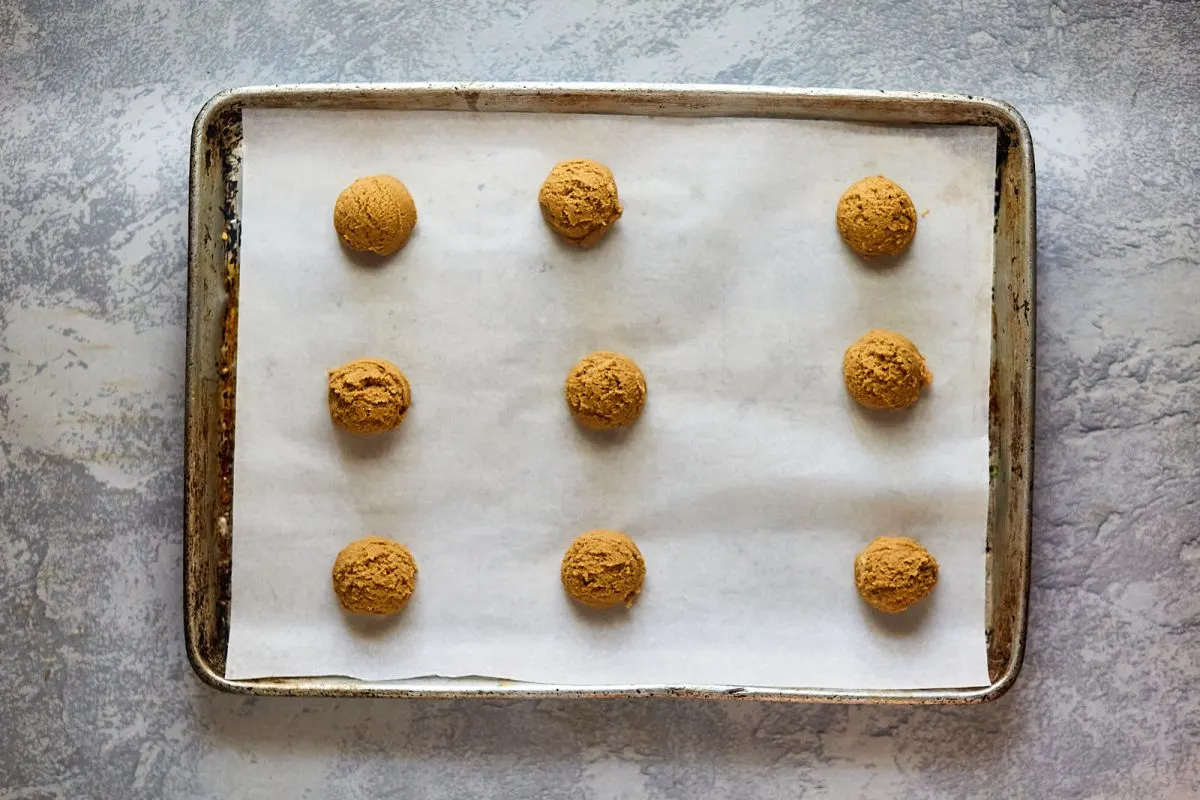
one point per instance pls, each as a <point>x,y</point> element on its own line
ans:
<point>97,699</point>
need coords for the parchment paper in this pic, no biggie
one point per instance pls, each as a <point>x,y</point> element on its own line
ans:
<point>749,483</point>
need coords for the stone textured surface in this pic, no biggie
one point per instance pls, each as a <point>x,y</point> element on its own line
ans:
<point>97,698</point>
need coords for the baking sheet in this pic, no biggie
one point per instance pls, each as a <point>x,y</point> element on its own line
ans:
<point>749,483</point>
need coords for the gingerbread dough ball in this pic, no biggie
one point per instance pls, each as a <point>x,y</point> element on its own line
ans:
<point>579,201</point>
<point>885,370</point>
<point>603,568</point>
<point>877,218</point>
<point>374,576</point>
<point>368,396</point>
<point>893,572</point>
<point>606,390</point>
<point>375,214</point>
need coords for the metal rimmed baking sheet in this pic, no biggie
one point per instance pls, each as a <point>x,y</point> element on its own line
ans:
<point>207,569</point>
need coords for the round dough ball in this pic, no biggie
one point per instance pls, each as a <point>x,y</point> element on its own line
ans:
<point>374,575</point>
<point>877,218</point>
<point>375,214</point>
<point>885,370</point>
<point>579,201</point>
<point>603,568</point>
<point>606,390</point>
<point>893,572</point>
<point>368,396</point>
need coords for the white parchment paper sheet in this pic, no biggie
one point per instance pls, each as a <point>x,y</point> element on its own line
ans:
<point>749,483</point>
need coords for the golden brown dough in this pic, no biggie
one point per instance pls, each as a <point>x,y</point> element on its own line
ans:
<point>579,201</point>
<point>606,390</point>
<point>602,568</point>
<point>893,572</point>
<point>368,396</point>
<point>374,575</point>
<point>375,214</point>
<point>885,370</point>
<point>876,217</point>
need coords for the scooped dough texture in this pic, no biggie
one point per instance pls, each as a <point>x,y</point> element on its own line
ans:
<point>885,370</point>
<point>602,568</point>
<point>374,575</point>
<point>606,390</point>
<point>893,572</point>
<point>375,214</point>
<point>877,218</point>
<point>368,396</point>
<point>579,201</point>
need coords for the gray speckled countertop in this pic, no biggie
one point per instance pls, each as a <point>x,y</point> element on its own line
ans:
<point>96,102</point>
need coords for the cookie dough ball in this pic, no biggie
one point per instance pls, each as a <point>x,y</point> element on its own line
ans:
<point>877,218</point>
<point>374,576</point>
<point>579,201</point>
<point>893,572</point>
<point>375,214</point>
<point>368,396</point>
<point>885,370</point>
<point>606,390</point>
<point>602,568</point>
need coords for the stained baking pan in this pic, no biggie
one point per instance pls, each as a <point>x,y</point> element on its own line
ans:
<point>213,252</point>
